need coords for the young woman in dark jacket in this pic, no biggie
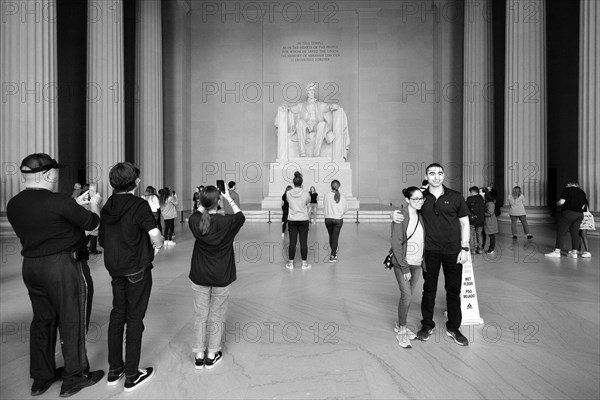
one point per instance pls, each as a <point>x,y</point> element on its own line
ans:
<point>212,272</point>
<point>407,246</point>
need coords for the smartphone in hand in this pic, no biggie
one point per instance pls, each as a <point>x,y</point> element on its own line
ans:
<point>221,185</point>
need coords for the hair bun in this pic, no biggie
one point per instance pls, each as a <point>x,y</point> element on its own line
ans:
<point>297,173</point>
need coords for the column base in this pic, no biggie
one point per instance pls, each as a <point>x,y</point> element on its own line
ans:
<point>535,215</point>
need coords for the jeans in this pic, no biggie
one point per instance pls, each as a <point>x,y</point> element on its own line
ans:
<point>210,306</point>
<point>169,228</point>
<point>492,237</point>
<point>295,228</point>
<point>571,221</point>
<point>130,302</point>
<point>312,211</point>
<point>334,226</point>
<point>453,279</point>
<point>157,218</point>
<point>407,288</point>
<point>476,237</point>
<point>513,224</point>
<point>61,291</point>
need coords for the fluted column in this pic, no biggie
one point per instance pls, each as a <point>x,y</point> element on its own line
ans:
<point>28,113</point>
<point>105,108</point>
<point>525,161</point>
<point>149,105</point>
<point>589,103</point>
<point>28,117</point>
<point>478,106</point>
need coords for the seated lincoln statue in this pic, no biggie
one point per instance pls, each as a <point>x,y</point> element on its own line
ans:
<point>312,129</point>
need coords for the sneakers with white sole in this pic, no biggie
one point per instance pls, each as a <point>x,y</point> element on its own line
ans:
<point>143,375</point>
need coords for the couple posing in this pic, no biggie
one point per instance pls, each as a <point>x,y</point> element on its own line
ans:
<point>432,233</point>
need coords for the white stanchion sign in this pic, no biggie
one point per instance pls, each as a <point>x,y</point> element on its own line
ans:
<point>469,305</point>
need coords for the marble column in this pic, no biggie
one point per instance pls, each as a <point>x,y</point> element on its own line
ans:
<point>105,92</point>
<point>149,104</point>
<point>589,104</point>
<point>525,160</point>
<point>367,150</point>
<point>28,112</point>
<point>478,105</point>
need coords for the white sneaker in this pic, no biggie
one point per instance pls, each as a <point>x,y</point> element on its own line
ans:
<point>586,254</point>
<point>403,340</point>
<point>282,235</point>
<point>290,265</point>
<point>411,335</point>
<point>572,254</point>
<point>305,265</point>
<point>555,254</point>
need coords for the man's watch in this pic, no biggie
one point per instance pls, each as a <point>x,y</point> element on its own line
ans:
<point>465,248</point>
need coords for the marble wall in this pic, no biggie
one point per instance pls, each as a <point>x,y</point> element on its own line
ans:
<point>391,65</point>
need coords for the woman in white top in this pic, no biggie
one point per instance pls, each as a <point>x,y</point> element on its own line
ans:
<point>152,198</point>
<point>334,208</point>
<point>517,211</point>
<point>407,246</point>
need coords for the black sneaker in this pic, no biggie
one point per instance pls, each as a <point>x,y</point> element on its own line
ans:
<point>40,386</point>
<point>115,376</point>
<point>424,333</point>
<point>530,236</point>
<point>458,337</point>
<point>199,363</point>
<point>514,237</point>
<point>90,379</point>
<point>143,375</point>
<point>211,362</point>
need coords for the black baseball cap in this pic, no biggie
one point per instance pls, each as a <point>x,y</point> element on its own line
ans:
<point>38,162</point>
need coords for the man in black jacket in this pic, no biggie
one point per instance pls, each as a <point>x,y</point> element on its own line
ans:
<point>51,229</point>
<point>129,236</point>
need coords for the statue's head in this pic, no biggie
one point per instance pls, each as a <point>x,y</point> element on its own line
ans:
<point>311,89</point>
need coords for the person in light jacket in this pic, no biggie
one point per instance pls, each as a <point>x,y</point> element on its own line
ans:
<point>407,245</point>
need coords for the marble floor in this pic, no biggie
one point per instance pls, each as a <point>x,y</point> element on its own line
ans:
<point>327,332</point>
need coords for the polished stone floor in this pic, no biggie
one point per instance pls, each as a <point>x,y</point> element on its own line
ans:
<point>327,332</point>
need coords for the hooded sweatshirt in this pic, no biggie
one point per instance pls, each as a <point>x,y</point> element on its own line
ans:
<point>298,200</point>
<point>125,222</point>
<point>213,259</point>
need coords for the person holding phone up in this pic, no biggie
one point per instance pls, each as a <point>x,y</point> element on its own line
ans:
<point>212,272</point>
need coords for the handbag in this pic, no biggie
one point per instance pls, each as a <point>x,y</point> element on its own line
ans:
<point>588,223</point>
<point>387,262</point>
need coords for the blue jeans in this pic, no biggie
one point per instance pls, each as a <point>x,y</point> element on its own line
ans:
<point>476,237</point>
<point>513,224</point>
<point>130,302</point>
<point>210,306</point>
<point>334,226</point>
<point>453,278</point>
<point>407,288</point>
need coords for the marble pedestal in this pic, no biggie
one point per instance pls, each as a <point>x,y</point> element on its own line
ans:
<point>316,171</point>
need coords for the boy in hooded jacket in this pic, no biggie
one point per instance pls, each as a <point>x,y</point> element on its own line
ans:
<point>129,236</point>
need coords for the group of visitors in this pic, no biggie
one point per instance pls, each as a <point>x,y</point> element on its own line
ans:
<point>483,213</point>
<point>299,209</point>
<point>60,286</point>
<point>431,232</point>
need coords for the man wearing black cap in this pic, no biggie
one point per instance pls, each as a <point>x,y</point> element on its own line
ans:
<point>51,229</point>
